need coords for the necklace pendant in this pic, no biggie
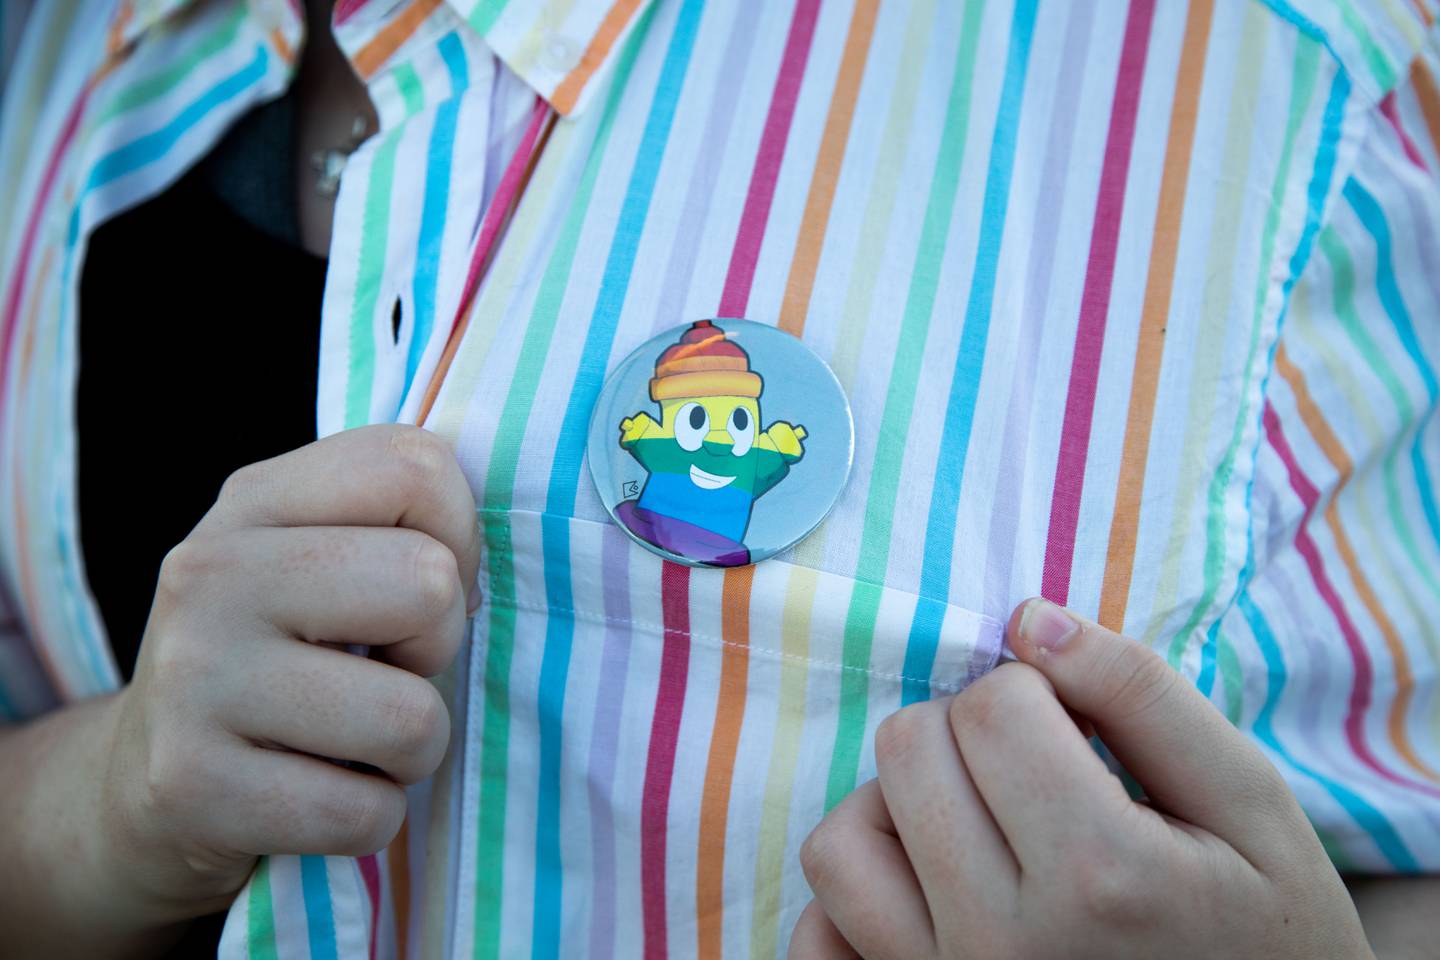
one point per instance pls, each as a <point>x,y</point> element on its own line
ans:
<point>328,166</point>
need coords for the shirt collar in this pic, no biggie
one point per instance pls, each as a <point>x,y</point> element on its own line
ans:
<point>561,48</point>
<point>281,21</point>
<point>133,18</point>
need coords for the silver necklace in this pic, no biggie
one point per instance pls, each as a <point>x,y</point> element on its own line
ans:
<point>329,164</point>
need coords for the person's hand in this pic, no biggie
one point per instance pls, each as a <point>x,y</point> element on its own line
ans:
<point>995,831</point>
<point>225,743</point>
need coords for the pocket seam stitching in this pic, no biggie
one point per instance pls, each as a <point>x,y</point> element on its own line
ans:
<point>716,642</point>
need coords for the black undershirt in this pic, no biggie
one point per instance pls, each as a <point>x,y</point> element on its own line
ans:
<point>199,348</point>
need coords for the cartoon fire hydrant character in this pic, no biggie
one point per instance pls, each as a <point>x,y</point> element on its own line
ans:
<point>707,459</point>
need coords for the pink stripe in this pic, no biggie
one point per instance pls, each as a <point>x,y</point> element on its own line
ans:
<point>1387,108</point>
<point>1364,675</point>
<point>660,762</point>
<point>736,295</point>
<point>345,9</point>
<point>27,245</point>
<point>370,872</point>
<point>675,579</point>
<point>1094,305</point>
<point>500,206</point>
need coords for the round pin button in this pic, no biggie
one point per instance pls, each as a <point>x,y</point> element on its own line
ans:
<point>720,442</point>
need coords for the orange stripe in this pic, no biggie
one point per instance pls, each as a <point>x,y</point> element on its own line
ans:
<point>115,38</point>
<point>384,44</point>
<point>614,24</point>
<point>724,740</point>
<point>397,857</point>
<point>282,46</point>
<point>827,169</point>
<point>1330,445</point>
<point>1120,554</point>
<point>735,658</point>
<point>1429,96</point>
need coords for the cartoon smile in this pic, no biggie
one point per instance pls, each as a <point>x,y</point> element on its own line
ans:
<point>706,480</point>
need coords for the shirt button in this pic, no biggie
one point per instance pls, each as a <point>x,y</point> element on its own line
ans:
<point>559,54</point>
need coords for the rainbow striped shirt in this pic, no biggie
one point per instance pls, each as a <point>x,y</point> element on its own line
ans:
<point>1135,304</point>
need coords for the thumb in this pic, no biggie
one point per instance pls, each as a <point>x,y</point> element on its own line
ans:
<point>1191,762</point>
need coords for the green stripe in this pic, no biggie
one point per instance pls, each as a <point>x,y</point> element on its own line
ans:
<point>899,404</point>
<point>374,231</point>
<point>486,12</point>
<point>260,929</point>
<point>1302,92</point>
<point>155,85</point>
<point>411,90</point>
<point>1344,287</point>
<point>1380,66</point>
<point>499,494</point>
<point>1210,349</point>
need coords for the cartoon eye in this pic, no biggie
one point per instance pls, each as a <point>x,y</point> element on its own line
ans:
<point>691,425</point>
<point>742,431</point>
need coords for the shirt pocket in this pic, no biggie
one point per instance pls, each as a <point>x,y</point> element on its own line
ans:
<point>647,745</point>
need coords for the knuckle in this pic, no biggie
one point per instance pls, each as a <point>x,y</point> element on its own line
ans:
<point>1132,680</point>
<point>366,820</point>
<point>239,487</point>
<point>415,719</point>
<point>1109,892</point>
<point>437,577</point>
<point>990,701</point>
<point>1253,782</point>
<point>1270,786</point>
<point>817,854</point>
<point>186,568</point>
<point>178,664</point>
<point>899,735</point>
<point>420,456</point>
<point>171,781</point>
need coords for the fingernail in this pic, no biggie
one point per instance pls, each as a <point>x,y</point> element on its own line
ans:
<point>1045,626</point>
<point>472,599</point>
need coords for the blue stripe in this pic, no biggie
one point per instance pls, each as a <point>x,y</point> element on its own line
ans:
<point>319,917</point>
<point>1371,820</point>
<point>437,199</point>
<point>1388,288</point>
<point>565,472</point>
<point>965,382</point>
<point>146,150</point>
<point>1205,681</point>
<point>1320,179</point>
